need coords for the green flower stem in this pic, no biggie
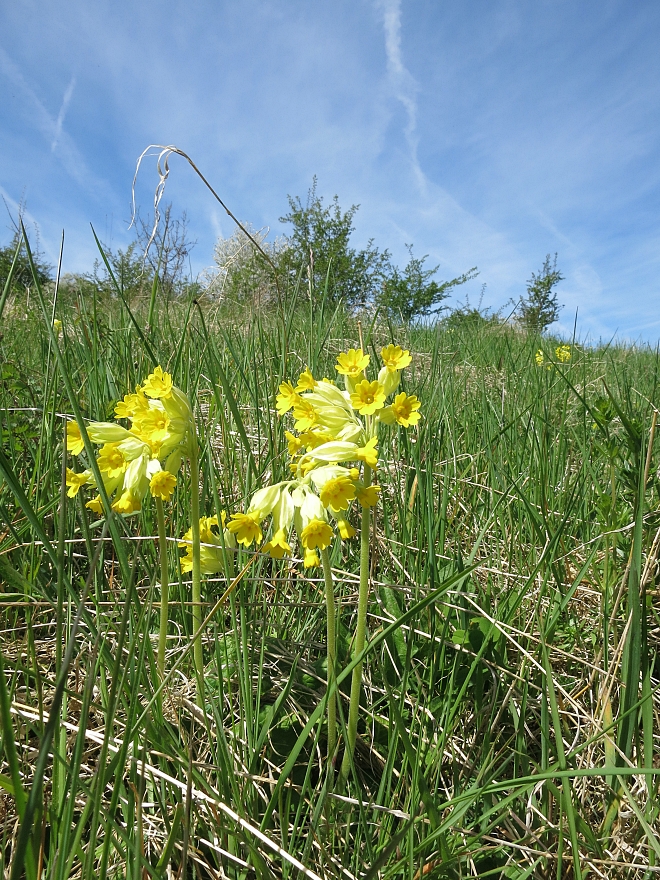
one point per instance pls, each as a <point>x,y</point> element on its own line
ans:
<point>331,613</point>
<point>164,586</point>
<point>198,655</point>
<point>360,637</point>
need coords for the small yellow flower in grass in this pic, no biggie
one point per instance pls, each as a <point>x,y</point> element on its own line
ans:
<point>395,358</point>
<point>405,409</point>
<point>538,357</point>
<point>246,527</point>
<point>304,414</point>
<point>57,326</point>
<point>346,530</point>
<point>278,546</point>
<point>74,441</point>
<point>317,534</point>
<point>158,384</point>
<point>74,481</point>
<point>306,382</point>
<point>368,397</point>
<point>368,496</point>
<point>369,453</point>
<point>311,559</point>
<point>95,505</point>
<point>337,493</point>
<point>111,461</point>
<point>162,485</point>
<point>563,353</point>
<point>287,398</point>
<point>352,362</point>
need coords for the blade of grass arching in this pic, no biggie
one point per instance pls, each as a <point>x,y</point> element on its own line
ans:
<point>314,717</point>
<point>120,294</point>
<point>183,336</point>
<point>36,789</point>
<point>561,760</point>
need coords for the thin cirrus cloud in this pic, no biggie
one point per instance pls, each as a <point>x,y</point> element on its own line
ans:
<point>486,132</point>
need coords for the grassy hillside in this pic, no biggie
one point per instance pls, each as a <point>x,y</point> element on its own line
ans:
<point>509,715</point>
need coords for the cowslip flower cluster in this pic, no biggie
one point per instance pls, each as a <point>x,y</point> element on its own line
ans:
<point>142,459</point>
<point>563,353</point>
<point>333,452</point>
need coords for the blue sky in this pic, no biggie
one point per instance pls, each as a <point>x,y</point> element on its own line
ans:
<point>484,132</point>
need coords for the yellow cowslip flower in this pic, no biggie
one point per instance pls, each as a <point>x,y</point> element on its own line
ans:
<point>158,384</point>
<point>563,353</point>
<point>294,444</point>
<point>311,559</point>
<point>287,398</point>
<point>246,527</point>
<point>352,362</point>
<point>369,453</point>
<point>74,441</point>
<point>538,357</point>
<point>152,426</point>
<point>346,530</point>
<point>404,410</point>
<point>278,546</point>
<point>367,495</point>
<point>127,503</point>
<point>368,397</point>
<point>306,382</point>
<point>57,326</point>
<point>316,534</point>
<point>162,485</point>
<point>95,505</point>
<point>304,414</point>
<point>316,438</point>
<point>74,481</point>
<point>131,405</point>
<point>111,461</point>
<point>395,358</point>
<point>337,493</point>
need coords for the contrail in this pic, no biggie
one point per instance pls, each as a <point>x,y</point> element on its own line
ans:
<point>403,82</point>
<point>60,118</point>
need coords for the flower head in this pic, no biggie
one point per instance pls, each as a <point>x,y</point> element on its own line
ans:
<point>74,441</point>
<point>110,460</point>
<point>369,453</point>
<point>337,493</point>
<point>368,495</point>
<point>404,410</point>
<point>162,485</point>
<point>74,481</point>
<point>352,362</point>
<point>395,358</point>
<point>246,527</point>
<point>278,546</point>
<point>306,381</point>
<point>158,384</point>
<point>368,397</point>
<point>287,398</point>
<point>563,353</point>
<point>316,534</point>
<point>538,357</point>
